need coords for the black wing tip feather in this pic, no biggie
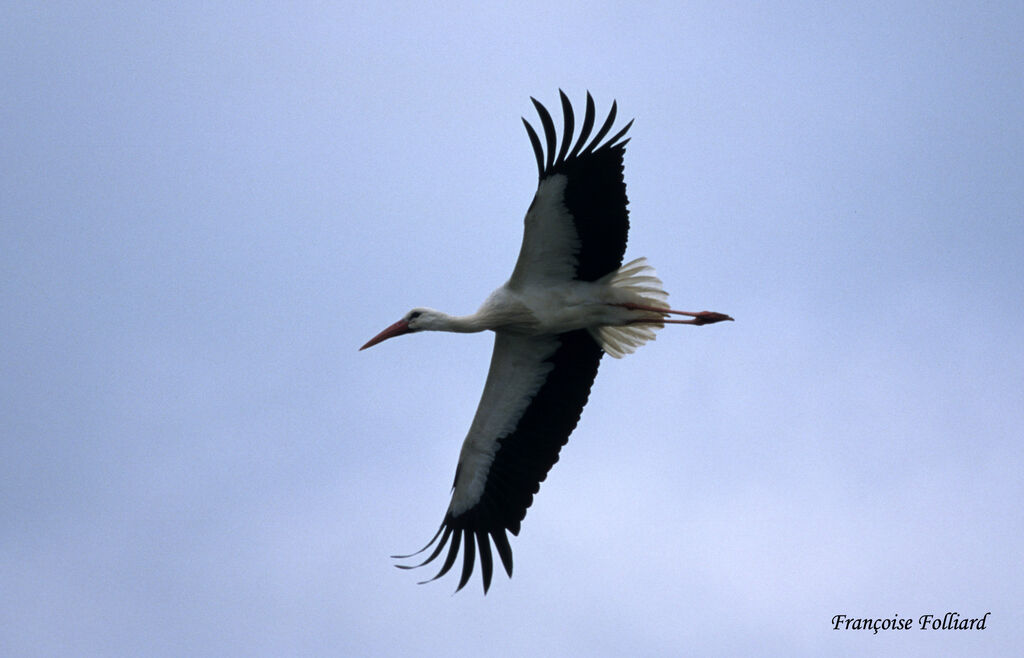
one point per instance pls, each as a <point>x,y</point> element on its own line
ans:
<point>549,132</point>
<point>471,541</point>
<point>548,161</point>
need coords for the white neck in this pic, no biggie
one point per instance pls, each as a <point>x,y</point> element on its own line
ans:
<point>462,324</point>
<point>465,324</point>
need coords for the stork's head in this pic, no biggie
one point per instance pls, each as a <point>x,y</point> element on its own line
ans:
<point>417,319</point>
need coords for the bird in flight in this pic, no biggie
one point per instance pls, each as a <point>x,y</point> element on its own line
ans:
<point>569,300</point>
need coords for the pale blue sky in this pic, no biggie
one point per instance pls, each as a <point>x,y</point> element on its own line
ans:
<point>206,209</point>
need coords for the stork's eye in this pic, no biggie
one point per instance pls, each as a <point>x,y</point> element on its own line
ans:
<point>413,315</point>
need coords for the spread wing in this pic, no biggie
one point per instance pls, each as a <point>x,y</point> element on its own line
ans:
<point>577,225</point>
<point>535,392</point>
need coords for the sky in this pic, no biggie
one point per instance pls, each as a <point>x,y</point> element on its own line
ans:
<point>206,208</point>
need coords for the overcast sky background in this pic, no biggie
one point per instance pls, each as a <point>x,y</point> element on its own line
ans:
<point>207,209</point>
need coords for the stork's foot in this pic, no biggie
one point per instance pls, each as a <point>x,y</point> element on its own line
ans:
<point>709,317</point>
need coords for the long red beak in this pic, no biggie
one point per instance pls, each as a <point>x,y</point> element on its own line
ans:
<point>397,329</point>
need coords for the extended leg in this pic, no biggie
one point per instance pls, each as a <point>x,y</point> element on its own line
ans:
<point>700,318</point>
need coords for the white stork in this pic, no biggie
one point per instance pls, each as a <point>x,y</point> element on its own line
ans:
<point>567,303</point>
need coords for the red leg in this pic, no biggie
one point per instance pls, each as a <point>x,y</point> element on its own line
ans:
<point>701,318</point>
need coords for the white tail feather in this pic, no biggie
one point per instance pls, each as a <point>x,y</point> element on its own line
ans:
<point>635,282</point>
